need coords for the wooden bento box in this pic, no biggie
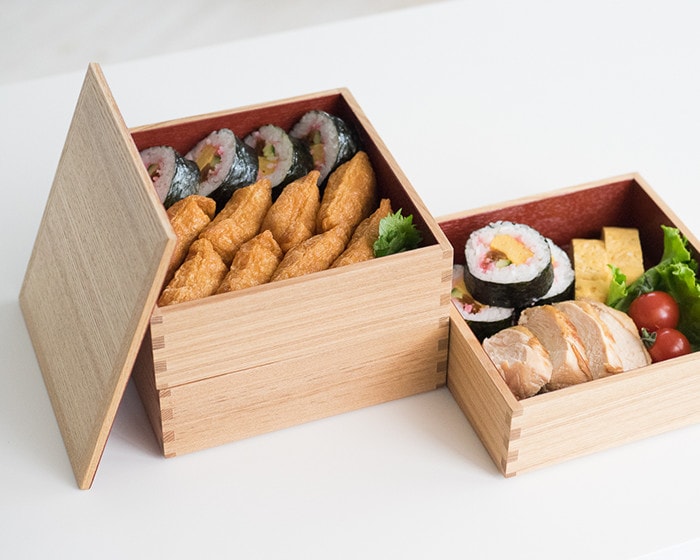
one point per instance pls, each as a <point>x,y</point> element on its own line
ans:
<point>232,365</point>
<point>521,435</point>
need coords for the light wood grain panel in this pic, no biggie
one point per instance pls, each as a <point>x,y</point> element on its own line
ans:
<point>608,412</point>
<point>350,374</point>
<point>144,378</point>
<point>278,395</point>
<point>297,317</point>
<point>99,256</point>
<point>265,359</point>
<point>483,397</point>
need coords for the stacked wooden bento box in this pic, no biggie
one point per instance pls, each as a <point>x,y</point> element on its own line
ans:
<point>231,365</point>
<point>234,365</point>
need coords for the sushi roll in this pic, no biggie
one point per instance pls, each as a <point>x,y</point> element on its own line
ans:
<point>225,164</point>
<point>484,320</point>
<point>562,288</point>
<point>508,265</point>
<point>328,138</point>
<point>281,157</point>
<point>173,176</point>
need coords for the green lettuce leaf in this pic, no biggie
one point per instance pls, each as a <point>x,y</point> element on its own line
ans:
<point>675,274</point>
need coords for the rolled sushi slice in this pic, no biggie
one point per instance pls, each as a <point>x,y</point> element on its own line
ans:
<point>173,176</point>
<point>484,320</point>
<point>225,164</point>
<point>281,157</point>
<point>328,138</point>
<point>563,285</point>
<point>508,265</point>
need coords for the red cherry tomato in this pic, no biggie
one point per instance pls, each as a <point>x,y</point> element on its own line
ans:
<point>653,311</point>
<point>668,343</point>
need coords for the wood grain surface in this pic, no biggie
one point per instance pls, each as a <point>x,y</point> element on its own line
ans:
<point>99,258</point>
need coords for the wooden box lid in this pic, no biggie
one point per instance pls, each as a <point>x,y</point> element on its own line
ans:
<point>98,262</point>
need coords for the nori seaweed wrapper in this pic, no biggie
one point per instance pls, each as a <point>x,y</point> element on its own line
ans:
<point>302,163</point>
<point>565,295</point>
<point>185,181</point>
<point>514,294</point>
<point>515,272</point>
<point>483,320</point>
<point>281,157</point>
<point>348,141</point>
<point>225,164</point>
<point>174,177</point>
<point>484,329</point>
<point>563,285</point>
<point>243,172</point>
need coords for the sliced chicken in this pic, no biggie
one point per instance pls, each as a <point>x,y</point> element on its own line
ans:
<point>601,347</point>
<point>521,359</point>
<point>566,350</point>
<point>629,345</point>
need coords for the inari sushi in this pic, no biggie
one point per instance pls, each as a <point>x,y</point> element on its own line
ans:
<point>225,164</point>
<point>328,138</point>
<point>508,265</point>
<point>281,157</point>
<point>173,176</point>
<point>199,275</point>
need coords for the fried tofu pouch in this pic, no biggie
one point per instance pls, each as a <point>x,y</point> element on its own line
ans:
<point>240,220</point>
<point>292,217</point>
<point>199,275</point>
<point>188,218</point>
<point>254,263</point>
<point>349,196</point>
<point>361,245</point>
<point>313,255</point>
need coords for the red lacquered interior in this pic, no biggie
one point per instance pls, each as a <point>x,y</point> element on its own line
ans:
<point>184,134</point>
<point>576,213</point>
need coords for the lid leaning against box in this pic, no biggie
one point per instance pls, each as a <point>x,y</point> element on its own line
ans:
<point>99,261</point>
<point>99,258</point>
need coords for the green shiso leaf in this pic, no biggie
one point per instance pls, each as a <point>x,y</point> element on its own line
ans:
<point>397,233</point>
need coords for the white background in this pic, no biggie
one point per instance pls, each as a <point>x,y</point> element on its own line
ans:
<point>479,102</point>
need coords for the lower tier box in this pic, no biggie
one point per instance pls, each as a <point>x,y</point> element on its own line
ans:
<point>522,435</point>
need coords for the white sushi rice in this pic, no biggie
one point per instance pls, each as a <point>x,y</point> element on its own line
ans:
<point>479,244</point>
<point>318,121</point>
<point>275,136</point>
<point>486,313</point>
<point>481,312</point>
<point>225,142</point>
<point>164,158</point>
<point>563,270</point>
